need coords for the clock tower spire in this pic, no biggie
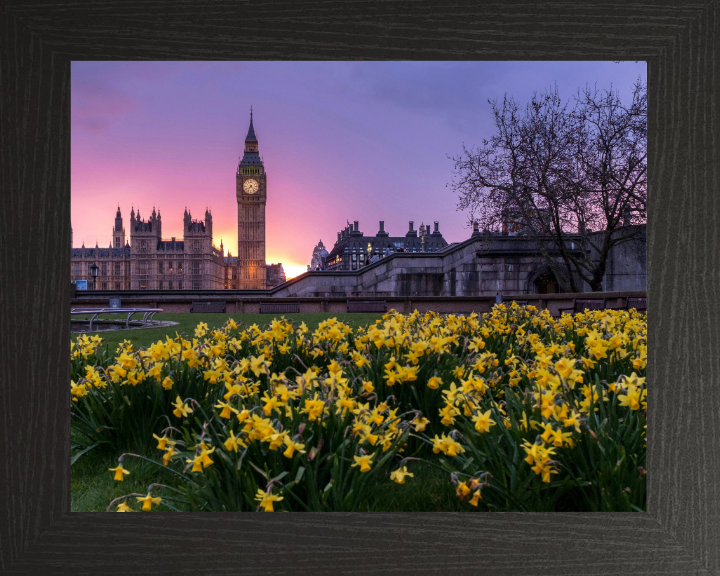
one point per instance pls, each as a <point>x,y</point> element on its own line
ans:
<point>251,193</point>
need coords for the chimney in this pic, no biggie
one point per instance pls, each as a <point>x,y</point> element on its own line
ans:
<point>437,228</point>
<point>382,226</point>
<point>411,226</point>
<point>356,225</point>
<point>476,232</point>
<point>339,236</point>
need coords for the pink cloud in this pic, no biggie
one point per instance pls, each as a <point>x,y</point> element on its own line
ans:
<point>95,106</point>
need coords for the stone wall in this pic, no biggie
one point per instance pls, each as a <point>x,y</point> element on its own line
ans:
<point>476,267</point>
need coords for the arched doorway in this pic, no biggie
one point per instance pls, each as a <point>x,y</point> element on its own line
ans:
<point>546,283</point>
<point>543,281</point>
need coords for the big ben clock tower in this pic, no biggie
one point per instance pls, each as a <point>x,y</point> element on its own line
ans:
<point>251,190</point>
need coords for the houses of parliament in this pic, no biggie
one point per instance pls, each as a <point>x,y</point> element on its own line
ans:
<point>144,260</point>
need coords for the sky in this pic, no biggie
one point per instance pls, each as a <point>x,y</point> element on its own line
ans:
<point>340,141</point>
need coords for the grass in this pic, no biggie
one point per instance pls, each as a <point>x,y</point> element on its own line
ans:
<point>187,323</point>
<point>92,487</point>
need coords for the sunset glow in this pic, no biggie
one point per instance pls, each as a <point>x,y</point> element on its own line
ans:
<point>340,141</point>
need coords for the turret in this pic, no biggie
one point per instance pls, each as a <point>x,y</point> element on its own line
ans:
<point>208,222</point>
<point>118,233</point>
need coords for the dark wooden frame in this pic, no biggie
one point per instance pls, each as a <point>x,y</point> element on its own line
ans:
<point>680,532</point>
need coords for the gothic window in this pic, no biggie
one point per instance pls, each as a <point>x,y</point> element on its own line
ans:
<point>117,269</point>
<point>103,269</point>
<point>196,267</point>
<point>161,284</point>
<point>170,267</point>
<point>170,285</point>
<point>143,286</point>
<point>160,267</point>
<point>179,285</point>
<point>76,268</point>
<point>196,284</point>
<point>104,285</point>
<point>117,285</point>
<point>143,267</point>
<point>234,274</point>
<point>117,242</point>
<point>196,245</point>
<point>143,245</point>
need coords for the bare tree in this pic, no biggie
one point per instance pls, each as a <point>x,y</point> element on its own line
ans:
<point>574,181</point>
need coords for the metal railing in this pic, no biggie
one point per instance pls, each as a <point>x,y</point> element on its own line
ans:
<point>148,314</point>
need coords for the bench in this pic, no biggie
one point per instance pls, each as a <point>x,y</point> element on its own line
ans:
<point>279,307</point>
<point>640,304</point>
<point>205,307</point>
<point>582,304</point>
<point>366,306</point>
<point>147,313</point>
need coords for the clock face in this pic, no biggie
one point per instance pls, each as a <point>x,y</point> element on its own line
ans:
<point>250,186</point>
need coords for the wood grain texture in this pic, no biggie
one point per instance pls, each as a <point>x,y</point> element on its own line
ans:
<point>681,532</point>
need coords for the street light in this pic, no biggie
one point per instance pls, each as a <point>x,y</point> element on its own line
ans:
<point>93,273</point>
<point>369,252</point>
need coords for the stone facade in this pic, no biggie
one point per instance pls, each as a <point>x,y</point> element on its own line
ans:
<point>275,275</point>
<point>353,249</point>
<point>479,266</point>
<point>149,262</point>
<point>318,258</point>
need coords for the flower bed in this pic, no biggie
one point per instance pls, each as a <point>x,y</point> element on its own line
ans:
<point>522,411</point>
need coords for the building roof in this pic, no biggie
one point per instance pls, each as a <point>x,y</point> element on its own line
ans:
<point>171,245</point>
<point>251,131</point>
<point>101,252</point>
<point>196,226</point>
<point>251,159</point>
<point>433,243</point>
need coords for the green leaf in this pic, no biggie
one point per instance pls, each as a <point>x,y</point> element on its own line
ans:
<point>85,451</point>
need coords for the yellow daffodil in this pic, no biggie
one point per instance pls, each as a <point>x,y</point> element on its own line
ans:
<point>400,474</point>
<point>420,424</point>
<point>483,422</point>
<point>148,501</point>
<point>120,472</point>
<point>363,462</point>
<point>266,500</point>
<point>181,409</point>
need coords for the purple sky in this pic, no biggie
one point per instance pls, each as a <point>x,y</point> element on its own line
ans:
<point>340,141</point>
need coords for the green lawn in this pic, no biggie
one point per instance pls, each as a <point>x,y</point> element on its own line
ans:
<point>92,487</point>
<point>187,323</point>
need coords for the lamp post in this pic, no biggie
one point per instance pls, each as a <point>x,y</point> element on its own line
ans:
<point>93,273</point>
<point>369,250</point>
